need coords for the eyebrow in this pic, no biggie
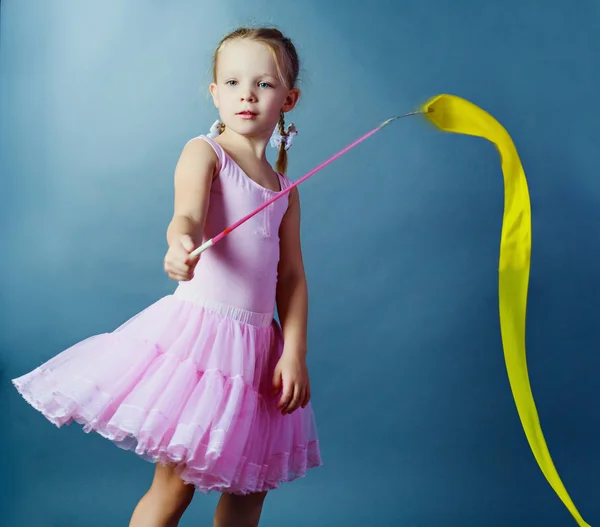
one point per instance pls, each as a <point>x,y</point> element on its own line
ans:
<point>235,74</point>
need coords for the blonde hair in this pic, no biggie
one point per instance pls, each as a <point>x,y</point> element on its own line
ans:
<point>286,61</point>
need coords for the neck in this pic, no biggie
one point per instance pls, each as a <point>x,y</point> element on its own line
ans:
<point>255,145</point>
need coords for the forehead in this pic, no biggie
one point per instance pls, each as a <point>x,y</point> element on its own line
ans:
<point>245,56</point>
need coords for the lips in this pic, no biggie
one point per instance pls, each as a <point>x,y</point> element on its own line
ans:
<point>246,115</point>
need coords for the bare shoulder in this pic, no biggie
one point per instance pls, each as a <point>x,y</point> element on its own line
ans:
<point>198,156</point>
<point>194,174</point>
<point>294,199</point>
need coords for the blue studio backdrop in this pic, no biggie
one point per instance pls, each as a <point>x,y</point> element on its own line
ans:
<point>401,238</point>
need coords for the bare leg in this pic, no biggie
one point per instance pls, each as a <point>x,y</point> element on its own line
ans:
<point>239,511</point>
<point>165,502</point>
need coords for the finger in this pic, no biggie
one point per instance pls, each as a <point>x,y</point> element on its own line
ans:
<point>187,243</point>
<point>296,398</point>
<point>176,266</point>
<point>176,254</point>
<point>306,398</point>
<point>276,383</point>
<point>293,406</point>
<point>179,277</point>
<point>285,399</point>
<point>192,260</point>
<point>178,249</point>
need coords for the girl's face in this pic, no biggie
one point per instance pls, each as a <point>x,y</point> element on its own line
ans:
<point>248,91</point>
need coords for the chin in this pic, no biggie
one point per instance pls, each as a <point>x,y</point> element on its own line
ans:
<point>249,128</point>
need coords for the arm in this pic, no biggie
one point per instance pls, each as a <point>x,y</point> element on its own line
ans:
<point>194,175</point>
<point>291,373</point>
<point>292,290</point>
<point>193,178</point>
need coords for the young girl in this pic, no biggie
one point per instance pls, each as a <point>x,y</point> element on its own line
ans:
<point>204,382</point>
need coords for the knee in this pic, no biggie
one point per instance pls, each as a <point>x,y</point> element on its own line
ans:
<point>171,492</point>
<point>250,504</point>
<point>236,510</point>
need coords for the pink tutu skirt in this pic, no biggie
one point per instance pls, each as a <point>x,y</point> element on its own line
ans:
<point>188,385</point>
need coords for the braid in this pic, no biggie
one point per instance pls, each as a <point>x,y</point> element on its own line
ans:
<point>281,164</point>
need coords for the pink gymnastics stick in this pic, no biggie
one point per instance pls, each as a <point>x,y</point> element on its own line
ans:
<point>222,235</point>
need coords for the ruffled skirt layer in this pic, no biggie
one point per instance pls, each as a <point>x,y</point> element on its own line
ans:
<point>188,385</point>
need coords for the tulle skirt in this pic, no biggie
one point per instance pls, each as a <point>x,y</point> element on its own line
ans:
<point>188,385</point>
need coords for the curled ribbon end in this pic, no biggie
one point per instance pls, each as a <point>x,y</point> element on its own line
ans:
<point>440,111</point>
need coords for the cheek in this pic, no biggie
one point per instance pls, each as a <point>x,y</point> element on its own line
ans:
<point>273,100</point>
<point>225,101</point>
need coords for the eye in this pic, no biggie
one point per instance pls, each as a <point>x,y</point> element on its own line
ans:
<point>231,83</point>
<point>264,85</point>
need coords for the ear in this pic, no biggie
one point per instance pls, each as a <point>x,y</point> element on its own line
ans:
<point>213,91</point>
<point>291,100</point>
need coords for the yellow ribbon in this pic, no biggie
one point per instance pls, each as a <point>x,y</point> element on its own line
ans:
<point>453,114</point>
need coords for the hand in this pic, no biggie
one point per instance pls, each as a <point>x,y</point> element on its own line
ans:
<point>178,263</point>
<point>291,380</point>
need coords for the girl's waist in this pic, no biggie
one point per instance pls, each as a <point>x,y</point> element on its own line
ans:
<point>225,309</point>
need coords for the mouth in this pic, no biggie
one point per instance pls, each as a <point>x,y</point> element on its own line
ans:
<point>246,113</point>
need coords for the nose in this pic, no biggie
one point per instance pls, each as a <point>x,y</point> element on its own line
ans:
<point>248,95</point>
